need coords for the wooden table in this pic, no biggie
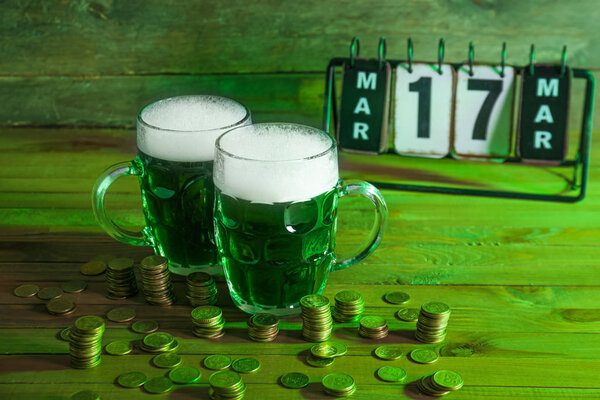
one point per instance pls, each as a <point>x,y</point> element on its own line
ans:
<point>522,278</point>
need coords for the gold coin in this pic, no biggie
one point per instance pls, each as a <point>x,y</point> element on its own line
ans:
<point>121,314</point>
<point>26,290</point>
<point>93,268</point>
<point>74,286</point>
<point>50,293</point>
<point>60,306</point>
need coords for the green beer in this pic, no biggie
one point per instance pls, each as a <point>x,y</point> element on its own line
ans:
<point>175,142</point>
<point>274,254</point>
<point>276,191</point>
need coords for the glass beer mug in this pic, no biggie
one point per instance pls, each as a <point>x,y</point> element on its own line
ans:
<point>277,189</point>
<point>175,142</point>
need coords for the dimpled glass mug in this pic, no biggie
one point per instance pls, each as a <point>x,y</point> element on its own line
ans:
<point>175,141</point>
<point>276,194</point>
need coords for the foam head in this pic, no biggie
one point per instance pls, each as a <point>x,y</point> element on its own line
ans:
<point>185,128</point>
<point>274,163</point>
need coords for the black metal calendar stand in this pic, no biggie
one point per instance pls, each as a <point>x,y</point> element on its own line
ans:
<point>579,164</point>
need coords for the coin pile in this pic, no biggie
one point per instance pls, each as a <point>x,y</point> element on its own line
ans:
<point>349,305</point>
<point>339,385</point>
<point>86,342</point>
<point>432,323</point>
<point>317,323</point>
<point>121,278</point>
<point>263,327</point>
<point>156,281</point>
<point>159,342</point>
<point>60,306</point>
<point>440,383</point>
<point>226,385</point>
<point>373,327</point>
<point>201,289</point>
<point>208,322</point>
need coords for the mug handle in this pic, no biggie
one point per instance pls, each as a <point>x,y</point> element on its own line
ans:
<point>102,184</point>
<point>369,191</point>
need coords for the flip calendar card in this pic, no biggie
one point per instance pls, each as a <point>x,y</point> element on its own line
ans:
<point>423,110</point>
<point>544,114</point>
<point>483,113</point>
<point>364,110</point>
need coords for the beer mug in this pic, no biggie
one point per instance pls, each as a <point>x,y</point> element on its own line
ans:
<point>276,195</point>
<point>176,145</point>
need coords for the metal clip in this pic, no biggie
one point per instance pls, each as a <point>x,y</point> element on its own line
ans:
<point>531,59</point>
<point>471,57</point>
<point>503,59</point>
<point>410,54</point>
<point>563,62</point>
<point>441,48</point>
<point>354,48</point>
<point>382,50</point>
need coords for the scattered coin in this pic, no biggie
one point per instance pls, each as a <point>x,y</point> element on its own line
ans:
<point>217,362</point>
<point>373,327</point>
<point>226,385</point>
<point>349,305</point>
<point>408,314</point>
<point>201,289</point>
<point>317,323</point>
<point>397,298</point>
<point>121,314</point>
<point>85,342</point>
<point>184,374</point>
<point>86,395</point>
<point>388,352</point>
<point>263,327</point>
<point>246,365</point>
<point>339,385</point>
<point>208,322</point>
<point>93,268</point>
<point>60,306</point>
<point>390,373</point>
<point>328,350</point>
<point>433,322</point>
<point>50,293</point>
<point>121,278</point>
<point>294,380</point>
<point>167,360</point>
<point>144,326</point>
<point>319,362</point>
<point>119,348</point>
<point>132,379</point>
<point>158,342</point>
<point>28,290</point>
<point>64,334</point>
<point>424,356</point>
<point>156,281</point>
<point>160,384</point>
<point>74,286</point>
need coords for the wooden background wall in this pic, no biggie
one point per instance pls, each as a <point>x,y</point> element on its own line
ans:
<point>95,63</point>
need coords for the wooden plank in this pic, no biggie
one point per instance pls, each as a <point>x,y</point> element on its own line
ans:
<point>143,37</point>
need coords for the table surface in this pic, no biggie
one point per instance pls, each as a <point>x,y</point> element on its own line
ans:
<point>522,278</point>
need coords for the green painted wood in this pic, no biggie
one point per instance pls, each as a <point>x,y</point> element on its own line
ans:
<point>148,37</point>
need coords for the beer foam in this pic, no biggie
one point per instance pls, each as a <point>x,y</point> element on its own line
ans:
<point>185,128</point>
<point>274,163</point>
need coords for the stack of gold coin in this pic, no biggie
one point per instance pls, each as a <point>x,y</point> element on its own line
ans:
<point>373,327</point>
<point>121,278</point>
<point>432,323</point>
<point>440,383</point>
<point>349,305</point>
<point>159,342</point>
<point>317,323</point>
<point>85,339</point>
<point>208,322</point>
<point>156,281</point>
<point>201,289</point>
<point>226,385</point>
<point>339,385</point>
<point>263,327</point>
